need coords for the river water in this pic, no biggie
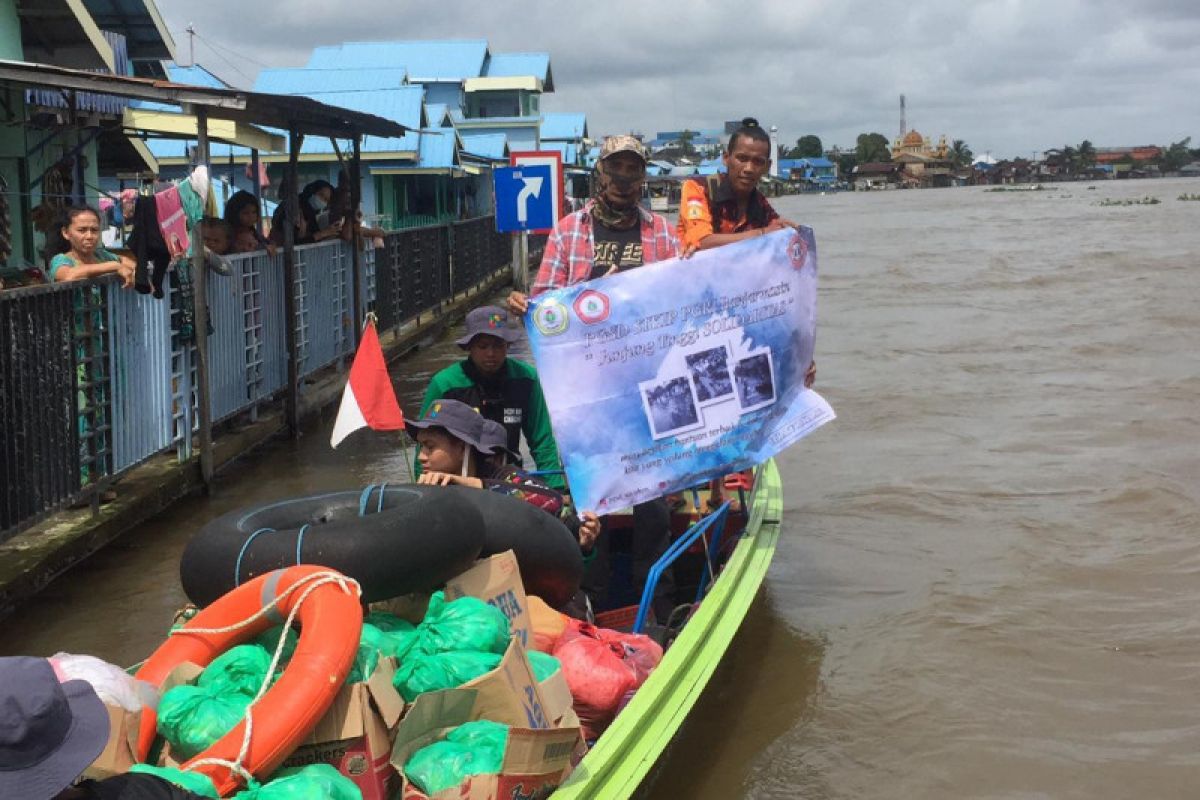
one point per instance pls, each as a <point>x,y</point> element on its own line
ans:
<point>989,572</point>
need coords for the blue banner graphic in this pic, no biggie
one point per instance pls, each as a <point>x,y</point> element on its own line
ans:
<point>664,376</point>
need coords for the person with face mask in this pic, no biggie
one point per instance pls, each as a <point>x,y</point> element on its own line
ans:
<point>311,226</point>
<point>613,233</point>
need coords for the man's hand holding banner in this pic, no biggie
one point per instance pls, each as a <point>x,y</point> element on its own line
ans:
<point>667,375</point>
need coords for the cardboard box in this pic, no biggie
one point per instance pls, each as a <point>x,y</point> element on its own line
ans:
<point>538,757</point>
<point>120,753</point>
<point>354,735</point>
<point>557,701</point>
<point>497,581</point>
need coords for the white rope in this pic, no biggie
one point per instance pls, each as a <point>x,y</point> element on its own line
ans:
<point>311,583</point>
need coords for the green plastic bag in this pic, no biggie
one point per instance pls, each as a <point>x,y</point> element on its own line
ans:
<point>240,670</point>
<point>367,657</point>
<point>399,634</point>
<point>420,673</point>
<point>314,782</point>
<point>191,718</point>
<point>476,748</point>
<point>544,665</point>
<point>194,782</point>
<point>467,623</point>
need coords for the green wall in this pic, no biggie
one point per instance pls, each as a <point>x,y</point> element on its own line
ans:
<point>10,32</point>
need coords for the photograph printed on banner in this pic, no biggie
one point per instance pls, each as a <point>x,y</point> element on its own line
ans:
<point>710,374</point>
<point>671,406</point>
<point>755,380</point>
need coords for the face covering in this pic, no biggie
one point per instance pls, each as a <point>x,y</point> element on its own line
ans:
<point>620,219</point>
<point>316,202</point>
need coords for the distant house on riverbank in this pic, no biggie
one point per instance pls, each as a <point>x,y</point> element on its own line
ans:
<point>877,175</point>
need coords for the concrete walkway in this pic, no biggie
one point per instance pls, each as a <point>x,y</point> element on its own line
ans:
<point>33,558</point>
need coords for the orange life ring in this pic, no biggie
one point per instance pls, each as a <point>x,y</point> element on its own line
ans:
<point>331,626</point>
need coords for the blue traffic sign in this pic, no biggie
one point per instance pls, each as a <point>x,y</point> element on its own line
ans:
<point>524,198</point>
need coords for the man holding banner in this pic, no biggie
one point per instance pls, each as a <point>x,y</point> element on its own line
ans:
<point>612,234</point>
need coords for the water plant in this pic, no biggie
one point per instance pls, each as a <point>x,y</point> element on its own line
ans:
<point>1195,197</point>
<point>1135,201</point>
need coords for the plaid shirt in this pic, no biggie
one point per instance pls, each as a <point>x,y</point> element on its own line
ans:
<point>570,248</point>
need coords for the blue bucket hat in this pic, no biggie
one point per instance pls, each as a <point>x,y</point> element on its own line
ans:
<point>460,421</point>
<point>50,732</point>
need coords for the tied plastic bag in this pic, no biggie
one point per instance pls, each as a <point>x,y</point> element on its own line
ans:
<point>239,670</point>
<point>401,634</point>
<point>476,748</point>
<point>192,718</point>
<point>543,665</point>
<point>194,782</point>
<point>314,782</point>
<point>115,686</point>
<point>467,623</point>
<point>601,668</point>
<point>420,673</point>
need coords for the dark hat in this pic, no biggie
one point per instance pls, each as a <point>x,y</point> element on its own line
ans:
<point>459,419</point>
<point>494,438</point>
<point>50,732</point>
<point>491,321</point>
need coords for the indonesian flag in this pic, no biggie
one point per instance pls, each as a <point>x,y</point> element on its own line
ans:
<point>369,399</point>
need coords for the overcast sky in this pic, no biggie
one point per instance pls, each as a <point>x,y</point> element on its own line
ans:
<point>1008,76</point>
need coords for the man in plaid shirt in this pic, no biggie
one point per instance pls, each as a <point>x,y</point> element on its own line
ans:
<point>612,233</point>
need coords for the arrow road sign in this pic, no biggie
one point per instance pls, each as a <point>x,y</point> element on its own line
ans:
<point>524,199</point>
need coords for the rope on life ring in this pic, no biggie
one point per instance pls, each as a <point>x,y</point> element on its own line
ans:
<point>331,627</point>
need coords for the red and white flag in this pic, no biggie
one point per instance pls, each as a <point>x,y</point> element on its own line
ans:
<point>369,399</point>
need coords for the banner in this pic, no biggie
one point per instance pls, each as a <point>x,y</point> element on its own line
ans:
<point>667,375</point>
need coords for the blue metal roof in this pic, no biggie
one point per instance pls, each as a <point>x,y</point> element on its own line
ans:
<point>518,65</point>
<point>425,61</point>
<point>569,150</point>
<point>488,145</point>
<point>139,22</point>
<point>317,83</point>
<point>564,126</point>
<point>403,104</point>
<point>439,149</point>
<point>193,76</point>
<point>435,113</point>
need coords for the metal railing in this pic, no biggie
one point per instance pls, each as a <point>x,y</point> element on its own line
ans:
<point>94,379</point>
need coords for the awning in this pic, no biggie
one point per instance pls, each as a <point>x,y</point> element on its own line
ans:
<point>303,114</point>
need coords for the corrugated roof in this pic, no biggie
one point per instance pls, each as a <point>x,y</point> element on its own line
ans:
<point>564,126</point>
<point>435,114</point>
<point>146,35</point>
<point>439,148</point>
<point>515,65</point>
<point>316,83</point>
<point>425,61</point>
<point>487,145</point>
<point>195,75</point>
<point>569,150</point>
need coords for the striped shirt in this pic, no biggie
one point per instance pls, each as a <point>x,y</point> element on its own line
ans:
<point>570,249</point>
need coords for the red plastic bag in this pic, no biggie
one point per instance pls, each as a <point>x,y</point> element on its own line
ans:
<point>603,668</point>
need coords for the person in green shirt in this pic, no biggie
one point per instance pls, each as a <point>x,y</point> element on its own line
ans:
<point>503,389</point>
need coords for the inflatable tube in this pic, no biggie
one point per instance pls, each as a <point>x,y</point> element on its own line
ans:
<point>548,555</point>
<point>330,627</point>
<point>420,537</point>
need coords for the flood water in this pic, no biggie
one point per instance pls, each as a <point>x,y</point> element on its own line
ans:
<point>989,574</point>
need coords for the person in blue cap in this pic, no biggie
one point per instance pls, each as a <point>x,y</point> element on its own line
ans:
<point>50,732</point>
<point>504,389</point>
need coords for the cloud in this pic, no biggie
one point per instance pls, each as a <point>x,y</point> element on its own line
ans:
<point>1007,76</point>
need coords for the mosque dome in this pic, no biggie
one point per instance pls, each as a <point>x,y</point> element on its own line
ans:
<point>913,139</point>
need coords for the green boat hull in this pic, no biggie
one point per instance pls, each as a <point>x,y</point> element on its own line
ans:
<point>623,756</point>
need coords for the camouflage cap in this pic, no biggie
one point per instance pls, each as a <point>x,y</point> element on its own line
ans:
<point>622,144</point>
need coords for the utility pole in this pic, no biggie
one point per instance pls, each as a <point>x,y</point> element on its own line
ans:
<point>191,32</point>
<point>903,125</point>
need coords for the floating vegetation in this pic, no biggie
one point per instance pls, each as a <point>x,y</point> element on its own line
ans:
<point>1137,201</point>
<point>1194,197</point>
<point>1035,188</point>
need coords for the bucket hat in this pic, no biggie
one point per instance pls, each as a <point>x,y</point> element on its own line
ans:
<point>462,422</point>
<point>49,731</point>
<point>490,321</point>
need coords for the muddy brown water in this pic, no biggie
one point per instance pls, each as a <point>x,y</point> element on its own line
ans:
<point>989,572</point>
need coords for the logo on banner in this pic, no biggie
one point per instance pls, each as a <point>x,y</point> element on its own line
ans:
<point>592,307</point>
<point>550,317</point>
<point>798,251</point>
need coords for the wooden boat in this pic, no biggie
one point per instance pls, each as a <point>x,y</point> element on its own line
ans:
<point>625,753</point>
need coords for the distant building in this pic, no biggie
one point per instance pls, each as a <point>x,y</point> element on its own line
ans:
<point>818,172</point>
<point>877,175</point>
<point>922,163</point>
